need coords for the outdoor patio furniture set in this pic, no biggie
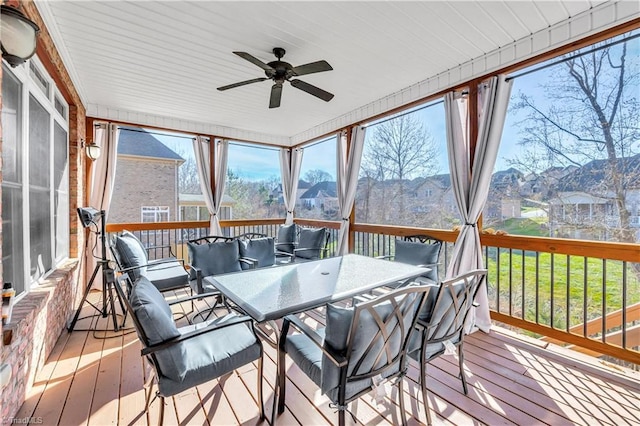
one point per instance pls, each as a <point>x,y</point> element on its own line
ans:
<point>360,346</point>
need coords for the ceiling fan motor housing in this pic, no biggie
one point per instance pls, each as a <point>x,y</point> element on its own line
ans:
<point>283,71</point>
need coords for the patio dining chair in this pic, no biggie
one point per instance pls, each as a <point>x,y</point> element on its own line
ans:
<point>131,258</point>
<point>188,356</point>
<point>312,244</point>
<point>419,250</point>
<point>441,325</point>
<point>213,255</point>
<point>360,347</point>
<point>285,242</point>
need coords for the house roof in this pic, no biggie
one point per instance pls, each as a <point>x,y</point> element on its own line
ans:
<point>325,188</point>
<point>384,54</point>
<point>595,174</point>
<point>137,142</point>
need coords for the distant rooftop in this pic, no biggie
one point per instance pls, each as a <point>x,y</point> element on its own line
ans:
<point>138,142</point>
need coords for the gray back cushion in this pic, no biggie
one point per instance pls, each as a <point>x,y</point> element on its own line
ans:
<point>131,254</point>
<point>313,239</point>
<point>337,335</point>
<point>415,253</point>
<point>286,238</point>
<point>156,321</point>
<point>215,258</point>
<point>261,249</point>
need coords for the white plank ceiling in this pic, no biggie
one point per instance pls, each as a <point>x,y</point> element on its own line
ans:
<point>165,59</point>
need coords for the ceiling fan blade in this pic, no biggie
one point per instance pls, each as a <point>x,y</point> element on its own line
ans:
<point>311,68</point>
<point>242,83</point>
<point>276,95</point>
<point>312,90</point>
<point>255,61</point>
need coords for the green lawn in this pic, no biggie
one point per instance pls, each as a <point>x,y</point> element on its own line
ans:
<point>559,278</point>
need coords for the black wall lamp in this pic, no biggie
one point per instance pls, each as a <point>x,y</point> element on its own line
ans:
<point>17,36</point>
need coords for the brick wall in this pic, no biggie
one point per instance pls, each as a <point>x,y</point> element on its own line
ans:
<point>37,322</point>
<point>143,182</point>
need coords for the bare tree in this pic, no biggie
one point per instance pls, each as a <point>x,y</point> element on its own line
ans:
<point>188,180</point>
<point>317,176</point>
<point>591,114</point>
<point>400,149</point>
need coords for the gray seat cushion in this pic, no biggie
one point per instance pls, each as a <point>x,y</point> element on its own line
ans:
<point>286,238</point>
<point>167,274</point>
<point>313,239</point>
<point>215,258</point>
<point>212,355</point>
<point>414,253</point>
<point>260,249</point>
<point>132,254</point>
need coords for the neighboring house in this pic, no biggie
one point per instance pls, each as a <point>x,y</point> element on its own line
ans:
<point>504,195</point>
<point>585,200</point>
<point>322,195</point>
<point>303,185</point>
<point>193,207</point>
<point>146,183</point>
<point>542,186</point>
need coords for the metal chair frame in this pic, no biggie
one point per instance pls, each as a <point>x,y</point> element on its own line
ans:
<point>149,351</point>
<point>437,331</point>
<point>403,306</point>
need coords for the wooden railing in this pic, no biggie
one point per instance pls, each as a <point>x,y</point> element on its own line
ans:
<point>585,294</point>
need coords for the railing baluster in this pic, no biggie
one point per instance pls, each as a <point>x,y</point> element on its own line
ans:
<point>510,282</point>
<point>604,300</point>
<point>568,297</point>
<point>624,305</point>
<point>523,295</point>
<point>552,279</point>
<point>537,310</point>
<point>585,314</point>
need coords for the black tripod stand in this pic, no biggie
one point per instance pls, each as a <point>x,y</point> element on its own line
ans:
<point>89,216</point>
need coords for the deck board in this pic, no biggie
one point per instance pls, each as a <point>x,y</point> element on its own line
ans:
<point>89,380</point>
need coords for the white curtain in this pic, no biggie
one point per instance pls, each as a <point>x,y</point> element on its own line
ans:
<point>212,192</point>
<point>348,164</point>
<point>290,162</point>
<point>471,184</point>
<point>103,175</point>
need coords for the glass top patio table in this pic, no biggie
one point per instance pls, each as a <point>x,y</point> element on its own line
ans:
<point>270,293</point>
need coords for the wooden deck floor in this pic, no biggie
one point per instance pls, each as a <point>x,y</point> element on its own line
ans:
<point>89,379</point>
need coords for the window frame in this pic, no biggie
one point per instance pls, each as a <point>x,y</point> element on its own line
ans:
<point>47,99</point>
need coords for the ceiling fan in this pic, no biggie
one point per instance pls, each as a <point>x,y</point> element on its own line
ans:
<point>280,71</point>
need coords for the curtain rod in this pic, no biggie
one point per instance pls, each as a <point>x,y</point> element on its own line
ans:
<point>253,146</point>
<point>319,142</point>
<point>128,129</point>
<point>374,123</point>
<point>577,55</point>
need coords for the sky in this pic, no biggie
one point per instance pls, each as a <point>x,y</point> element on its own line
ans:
<point>253,162</point>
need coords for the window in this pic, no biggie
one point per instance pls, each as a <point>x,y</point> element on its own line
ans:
<point>404,176</point>
<point>35,186</point>
<point>317,192</point>
<point>555,173</point>
<point>155,214</point>
<point>253,182</point>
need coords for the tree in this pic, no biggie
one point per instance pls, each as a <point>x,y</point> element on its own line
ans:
<point>400,149</point>
<point>317,176</point>
<point>188,180</point>
<point>591,115</point>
